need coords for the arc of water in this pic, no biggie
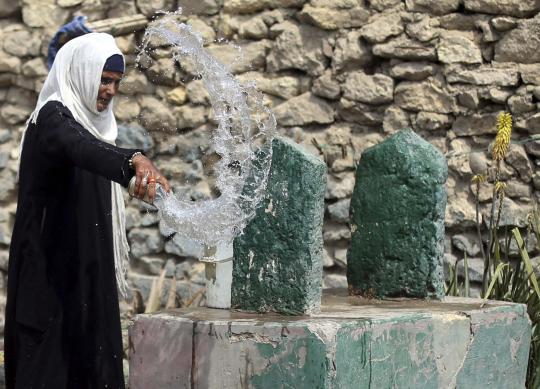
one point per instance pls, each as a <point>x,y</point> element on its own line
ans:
<point>243,124</point>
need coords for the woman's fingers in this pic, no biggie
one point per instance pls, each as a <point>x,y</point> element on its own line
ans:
<point>151,192</point>
<point>163,182</point>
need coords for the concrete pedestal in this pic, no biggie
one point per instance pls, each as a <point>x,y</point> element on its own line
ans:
<point>352,343</point>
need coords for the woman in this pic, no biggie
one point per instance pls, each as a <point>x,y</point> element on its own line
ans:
<point>62,316</point>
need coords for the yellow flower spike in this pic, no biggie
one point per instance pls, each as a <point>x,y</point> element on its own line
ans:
<point>502,140</point>
<point>500,187</point>
<point>478,179</point>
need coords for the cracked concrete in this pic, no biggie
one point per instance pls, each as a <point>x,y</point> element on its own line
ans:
<point>351,343</point>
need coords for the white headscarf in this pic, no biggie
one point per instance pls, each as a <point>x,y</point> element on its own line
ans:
<point>74,81</point>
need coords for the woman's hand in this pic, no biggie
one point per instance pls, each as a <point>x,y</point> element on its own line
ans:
<point>147,175</point>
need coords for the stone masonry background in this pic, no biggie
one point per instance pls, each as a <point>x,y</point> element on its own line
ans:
<point>340,75</point>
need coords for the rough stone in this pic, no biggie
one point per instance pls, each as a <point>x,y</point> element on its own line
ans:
<point>333,281</point>
<point>530,73</point>
<point>522,44</point>
<point>423,96</point>
<point>433,7</point>
<point>202,7</point>
<point>497,95</point>
<point>334,233</point>
<point>469,99</point>
<point>33,13</point>
<point>5,136</point>
<point>126,108</point>
<point>483,75</point>
<point>466,244</point>
<point>135,137</point>
<point>478,163</point>
<point>519,8</point>
<point>489,34</point>
<point>155,116</point>
<point>536,180</point>
<point>150,7</point>
<point>422,28</point>
<point>162,72</point>
<point>326,86</point>
<point>253,28</point>
<point>332,18</point>
<point>383,5</point>
<point>518,190</point>
<point>413,71</point>
<point>328,261</point>
<point>298,47</point>
<point>304,109</point>
<point>152,265</point>
<point>197,93</point>
<point>352,343</point>
<point>190,116</point>
<point>460,212</point>
<point>339,211</point>
<point>177,96</point>
<point>503,23</point>
<point>278,260</point>
<point>362,114</point>
<point>251,6</point>
<point>251,56</point>
<point>456,47</point>
<point>14,114</point>
<point>476,124</point>
<point>395,119</point>
<point>204,30</point>
<point>285,87</point>
<point>144,241</point>
<point>9,8</point>
<point>135,82</point>
<point>397,216</point>
<point>512,214</point>
<point>530,124</point>
<point>339,186</point>
<point>184,247</point>
<point>370,89</point>
<point>350,52</point>
<point>533,148</point>
<point>341,260</point>
<point>521,103</point>
<point>518,159</point>
<point>34,68</point>
<point>21,42</point>
<point>430,121</point>
<point>4,260</point>
<point>404,48</point>
<point>475,269</point>
<point>9,63</point>
<point>382,27</point>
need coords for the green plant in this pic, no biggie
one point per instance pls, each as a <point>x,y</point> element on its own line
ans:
<point>502,279</point>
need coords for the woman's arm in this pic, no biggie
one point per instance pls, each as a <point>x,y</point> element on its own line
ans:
<point>65,141</point>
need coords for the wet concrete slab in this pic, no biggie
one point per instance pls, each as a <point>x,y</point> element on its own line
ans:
<point>351,343</point>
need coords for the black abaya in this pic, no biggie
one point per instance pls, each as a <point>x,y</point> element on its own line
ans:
<point>62,316</point>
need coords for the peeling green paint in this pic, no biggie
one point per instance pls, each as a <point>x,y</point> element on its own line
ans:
<point>410,344</point>
<point>301,366</point>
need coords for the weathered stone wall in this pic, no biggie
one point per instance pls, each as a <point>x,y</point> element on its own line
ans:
<point>340,75</point>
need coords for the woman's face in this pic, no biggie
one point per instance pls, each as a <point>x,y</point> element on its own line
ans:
<point>108,86</point>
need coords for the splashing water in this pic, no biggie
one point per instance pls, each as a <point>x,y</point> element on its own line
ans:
<point>243,139</point>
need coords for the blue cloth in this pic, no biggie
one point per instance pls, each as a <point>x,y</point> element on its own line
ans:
<point>67,32</point>
<point>115,63</point>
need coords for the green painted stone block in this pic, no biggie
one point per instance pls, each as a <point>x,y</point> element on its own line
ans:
<point>278,260</point>
<point>397,220</point>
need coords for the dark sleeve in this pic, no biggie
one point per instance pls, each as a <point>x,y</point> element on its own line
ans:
<point>65,141</point>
